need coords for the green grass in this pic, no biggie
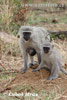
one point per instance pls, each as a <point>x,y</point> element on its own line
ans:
<point>42,19</point>
<point>32,21</point>
<point>62,19</point>
<point>6,76</point>
<point>61,36</point>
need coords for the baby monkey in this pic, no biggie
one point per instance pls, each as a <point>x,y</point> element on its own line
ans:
<point>52,59</point>
<point>31,51</point>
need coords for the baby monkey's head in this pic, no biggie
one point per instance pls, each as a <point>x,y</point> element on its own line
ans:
<point>31,51</point>
<point>48,47</point>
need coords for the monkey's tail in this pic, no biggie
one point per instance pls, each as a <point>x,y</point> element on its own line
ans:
<point>64,71</point>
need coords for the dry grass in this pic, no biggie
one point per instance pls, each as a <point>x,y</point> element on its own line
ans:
<point>6,15</point>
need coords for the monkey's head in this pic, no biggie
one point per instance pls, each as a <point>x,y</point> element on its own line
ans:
<point>25,32</point>
<point>48,47</point>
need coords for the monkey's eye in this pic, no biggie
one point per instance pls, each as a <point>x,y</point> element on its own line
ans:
<point>18,36</point>
<point>27,33</point>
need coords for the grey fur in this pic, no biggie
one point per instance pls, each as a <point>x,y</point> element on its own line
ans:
<point>37,38</point>
<point>52,60</point>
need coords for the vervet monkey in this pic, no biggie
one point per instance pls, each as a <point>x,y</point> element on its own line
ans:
<point>34,37</point>
<point>52,59</point>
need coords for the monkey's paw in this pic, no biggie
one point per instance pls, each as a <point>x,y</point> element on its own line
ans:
<point>34,70</point>
<point>32,64</point>
<point>23,70</point>
<point>52,77</point>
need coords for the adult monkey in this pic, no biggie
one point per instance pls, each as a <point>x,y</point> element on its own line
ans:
<point>34,37</point>
<point>52,59</point>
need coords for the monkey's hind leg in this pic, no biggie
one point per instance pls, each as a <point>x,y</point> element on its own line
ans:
<point>32,62</point>
<point>39,58</point>
<point>54,73</point>
<point>46,68</point>
<point>25,65</point>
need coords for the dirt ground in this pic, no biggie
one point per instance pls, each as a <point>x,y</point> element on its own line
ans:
<point>33,81</point>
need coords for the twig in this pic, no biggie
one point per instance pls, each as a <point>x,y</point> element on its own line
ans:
<point>47,11</point>
<point>8,72</point>
<point>18,97</point>
<point>3,66</point>
<point>7,88</point>
<point>58,32</point>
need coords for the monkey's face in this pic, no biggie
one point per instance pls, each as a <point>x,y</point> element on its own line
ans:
<point>25,32</point>
<point>26,36</point>
<point>46,49</point>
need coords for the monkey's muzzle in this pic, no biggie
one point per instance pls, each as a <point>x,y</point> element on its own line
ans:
<point>26,38</point>
<point>46,49</point>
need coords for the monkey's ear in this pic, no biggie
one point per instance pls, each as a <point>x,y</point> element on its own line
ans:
<point>52,46</point>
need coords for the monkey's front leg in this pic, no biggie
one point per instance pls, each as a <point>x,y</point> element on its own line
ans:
<point>38,68</point>
<point>25,64</point>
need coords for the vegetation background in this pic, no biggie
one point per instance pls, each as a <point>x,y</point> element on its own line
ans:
<point>12,16</point>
